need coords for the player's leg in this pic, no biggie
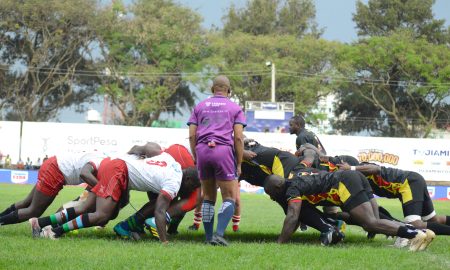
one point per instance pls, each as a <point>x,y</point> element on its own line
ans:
<point>65,215</point>
<point>236,219</point>
<point>206,163</point>
<point>311,216</point>
<point>419,210</point>
<point>228,189</point>
<point>39,204</point>
<point>105,208</point>
<point>209,190</point>
<point>422,215</point>
<point>197,213</point>
<point>363,214</point>
<point>20,204</point>
<point>178,210</point>
<point>135,222</point>
<point>225,174</point>
<point>385,214</point>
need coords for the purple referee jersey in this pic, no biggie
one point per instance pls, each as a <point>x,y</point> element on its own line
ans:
<point>215,118</point>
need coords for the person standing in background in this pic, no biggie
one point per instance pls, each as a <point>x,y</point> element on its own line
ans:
<point>216,139</point>
<point>297,127</point>
<point>8,162</point>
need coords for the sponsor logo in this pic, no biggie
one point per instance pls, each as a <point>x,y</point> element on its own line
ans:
<point>214,104</point>
<point>432,152</point>
<point>448,193</point>
<point>19,177</point>
<point>93,140</point>
<point>374,155</point>
<point>418,162</point>
<point>431,191</point>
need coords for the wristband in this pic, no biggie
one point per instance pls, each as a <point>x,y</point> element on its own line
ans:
<point>352,168</point>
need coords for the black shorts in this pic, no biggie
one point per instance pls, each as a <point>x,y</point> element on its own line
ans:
<point>354,189</point>
<point>349,189</point>
<point>415,197</point>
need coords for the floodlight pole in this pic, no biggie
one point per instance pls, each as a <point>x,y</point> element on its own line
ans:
<point>273,83</point>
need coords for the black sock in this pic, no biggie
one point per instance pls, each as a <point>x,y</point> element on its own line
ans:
<point>8,210</point>
<point>405,232</point>
<point>44,221</point>
<point>58,231</point>
<point>69,214</point>
<point>439,229</point>
<point>447,220</point>
<point>86,221</point>
<point>11,218</point>
<point>313,218</point>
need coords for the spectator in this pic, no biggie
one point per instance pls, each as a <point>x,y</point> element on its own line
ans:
<point>28,164</point>
<point>38,164</point>
<point>20,165</point>
<point>8,162</point>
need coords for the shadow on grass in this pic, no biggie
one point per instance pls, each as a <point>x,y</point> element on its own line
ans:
<point>309,237</point>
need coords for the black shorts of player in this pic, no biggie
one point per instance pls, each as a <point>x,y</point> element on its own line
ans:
<point>358,187</point>
<point>415,198</point>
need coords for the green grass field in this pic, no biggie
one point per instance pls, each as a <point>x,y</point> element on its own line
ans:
<point>253,247</point>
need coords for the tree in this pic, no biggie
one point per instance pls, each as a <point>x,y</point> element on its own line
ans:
<point>302,67</point>
<point>146,50</point>
<point>263,17</point>
<point>44,45</point>
<point>399,86</point>
<point>381,17</point>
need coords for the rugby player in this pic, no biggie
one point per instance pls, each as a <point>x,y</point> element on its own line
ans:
<point>159,174</point>
<point>261,161</point>
<point>297,127</point>
<point>55,172</point>
<point>185,201</point>
<point>216,139</point>
<point>411,189</point>
<point>348,189</point>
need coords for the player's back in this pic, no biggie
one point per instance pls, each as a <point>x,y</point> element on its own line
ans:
<point>154,174</point>
<point>277,161</point>
<point>181,155</point>
<point>215,118</point>
<point>71,165</point>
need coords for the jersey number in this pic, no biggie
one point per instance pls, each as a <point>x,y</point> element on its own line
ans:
<point>157,163</point>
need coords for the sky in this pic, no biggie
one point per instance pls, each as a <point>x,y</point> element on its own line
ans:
<point>334,16</point>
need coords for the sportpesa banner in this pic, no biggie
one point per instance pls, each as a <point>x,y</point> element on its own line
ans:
<point>429,157</point>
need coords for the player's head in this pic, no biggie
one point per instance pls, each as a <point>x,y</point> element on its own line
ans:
<point>296,124</point>
<point>275,187</point>
<point>190,180</point>
<point>352,161</point>
<point>221,85</point>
